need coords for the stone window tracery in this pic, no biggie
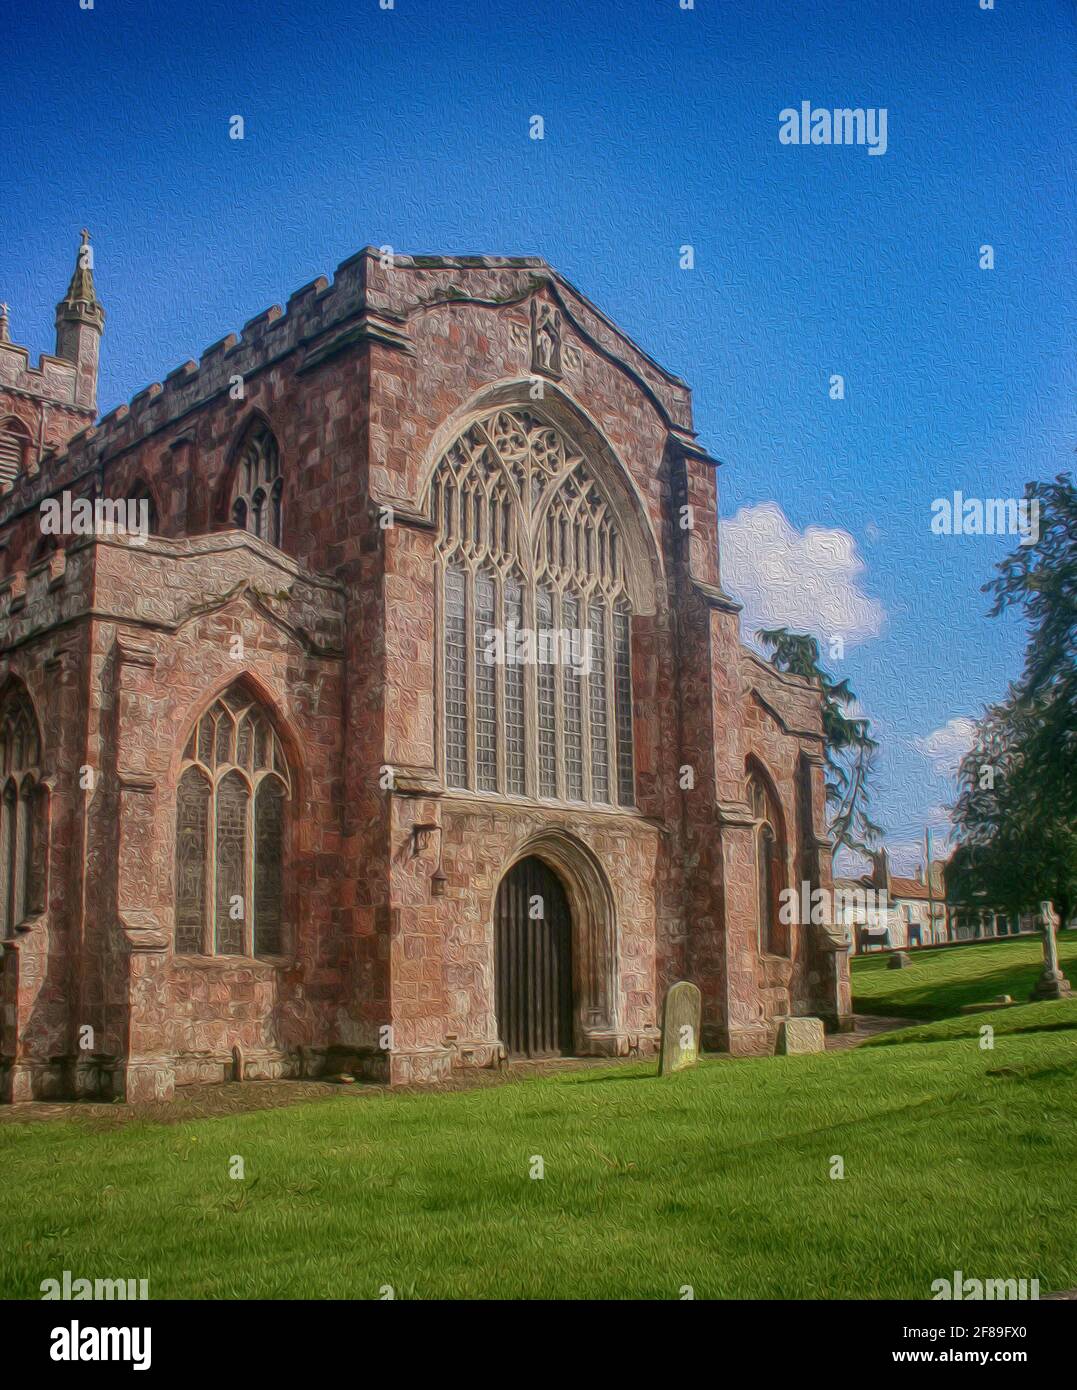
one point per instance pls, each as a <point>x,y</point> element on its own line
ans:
<point>535,617</point>
<point>230,825</point>
<point>21,832</point>
<point>258,486</point>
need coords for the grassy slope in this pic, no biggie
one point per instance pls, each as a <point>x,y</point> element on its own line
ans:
<point>954,1158</point>
<point>937,983</point>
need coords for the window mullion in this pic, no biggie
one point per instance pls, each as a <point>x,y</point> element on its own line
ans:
<point>249,870</point>
<point>7,927</point>
<point>531,715</point>
<point>209,931</point>
<point>470,689</point>
<point>558,694</point>
<point>501,727</point>
<point>441,700</point>
<point>583,633</point>
<point>612,765</point>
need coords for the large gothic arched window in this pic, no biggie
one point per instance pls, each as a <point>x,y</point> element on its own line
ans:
<point>535,617</point>
<point>20,833</point>
<point>258,485</point>
<point>230,833</point>
<point>770,866</point>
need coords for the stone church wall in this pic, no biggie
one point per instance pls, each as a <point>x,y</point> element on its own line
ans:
<point>364,383</point>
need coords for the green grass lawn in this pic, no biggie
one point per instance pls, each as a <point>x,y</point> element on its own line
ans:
<point>939,982</point>
<point>719,1178</point>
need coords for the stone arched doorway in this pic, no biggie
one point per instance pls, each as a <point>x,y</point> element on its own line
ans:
<point>533,962</point>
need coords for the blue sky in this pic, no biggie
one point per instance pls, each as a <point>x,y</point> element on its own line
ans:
<point>409,127</point>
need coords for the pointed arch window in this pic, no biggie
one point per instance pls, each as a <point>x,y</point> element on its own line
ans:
<point>21,818</point>
<point>535,651</point>
<point>258,486</point>
<point>230,833</point>
<point>774,934</point>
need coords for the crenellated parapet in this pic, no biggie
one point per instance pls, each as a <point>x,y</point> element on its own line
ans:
<point>368,299</point>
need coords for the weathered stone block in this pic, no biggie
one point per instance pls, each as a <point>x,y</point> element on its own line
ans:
<point>796,1035</point>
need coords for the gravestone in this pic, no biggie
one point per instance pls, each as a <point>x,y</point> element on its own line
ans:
<point>796,1035</point>
<point>898,961</point>
<point>1052,984</point>
<point>680,1028</point>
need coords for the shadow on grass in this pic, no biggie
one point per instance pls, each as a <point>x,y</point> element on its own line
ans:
<point>941,998</point>
<point>921,1036</point>
<point>607,1080</point>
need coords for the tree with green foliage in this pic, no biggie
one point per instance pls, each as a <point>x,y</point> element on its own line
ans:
<point>1016,814</point>
<point>849,751</point>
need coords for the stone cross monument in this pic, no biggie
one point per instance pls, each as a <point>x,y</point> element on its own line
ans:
<point>1052,984</point>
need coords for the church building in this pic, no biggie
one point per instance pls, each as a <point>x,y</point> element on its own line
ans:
<point>409,729</point>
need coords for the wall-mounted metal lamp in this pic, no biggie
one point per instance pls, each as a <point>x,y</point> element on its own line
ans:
<point>420,840</point>
<point>420,837</point>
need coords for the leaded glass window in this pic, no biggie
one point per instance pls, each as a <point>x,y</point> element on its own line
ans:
<point>547,699</point>
<point>599,696</point>
<point>230,829</point>
<point>622,683</point>
<point>485,685</point>
<point>573,704</point>
<point>192,823</point>
<point>514,691</point>
<point>455,649</point>
<point>536,663</point>
<point>21,828</point>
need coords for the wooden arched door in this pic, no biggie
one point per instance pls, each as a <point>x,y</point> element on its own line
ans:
<point>533,962</point>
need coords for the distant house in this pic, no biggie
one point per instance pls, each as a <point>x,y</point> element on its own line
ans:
<point>922,908</point>
<point>862,906</point>
<point>884,911</point>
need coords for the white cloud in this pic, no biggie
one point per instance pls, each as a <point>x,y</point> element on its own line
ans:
<point>946,747</point>
<point>808,580</point>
